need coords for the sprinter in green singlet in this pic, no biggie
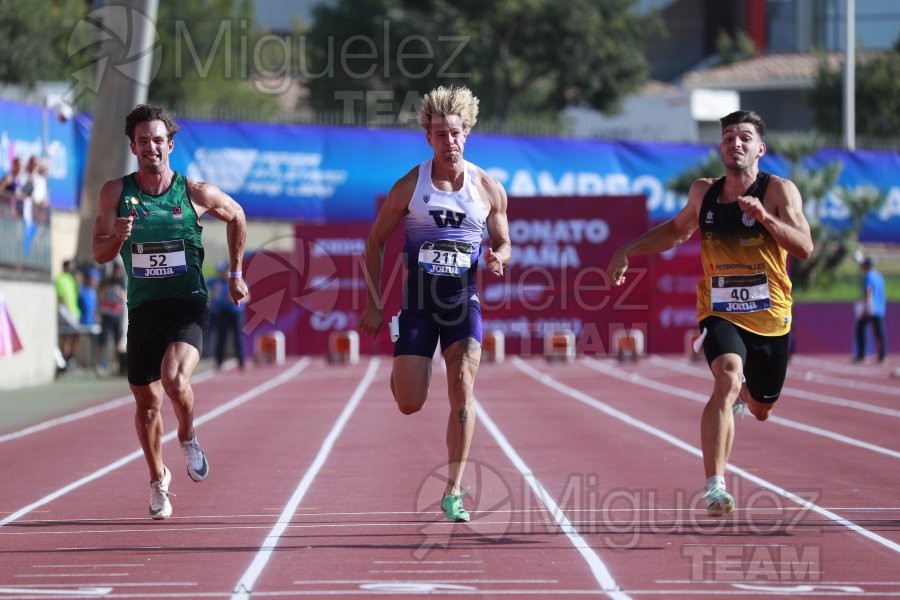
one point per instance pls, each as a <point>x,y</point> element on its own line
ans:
<point>151,218</point>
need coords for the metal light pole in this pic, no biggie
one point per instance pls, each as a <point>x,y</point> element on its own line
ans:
<point>850,77</point>
<point>120,90</point>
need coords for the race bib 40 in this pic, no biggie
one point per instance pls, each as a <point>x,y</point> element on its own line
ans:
<point>740,293</point>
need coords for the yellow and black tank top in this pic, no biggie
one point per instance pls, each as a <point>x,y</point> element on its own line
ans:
<point>164,255</point>
<point>745,276</point>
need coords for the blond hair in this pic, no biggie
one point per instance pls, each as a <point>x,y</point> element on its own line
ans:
<point>442,101</point>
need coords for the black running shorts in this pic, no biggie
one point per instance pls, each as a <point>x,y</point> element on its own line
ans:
<point>155,325</point>
<point>765,358</point>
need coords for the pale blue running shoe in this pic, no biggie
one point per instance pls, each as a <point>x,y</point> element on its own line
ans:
<point>718,502</point>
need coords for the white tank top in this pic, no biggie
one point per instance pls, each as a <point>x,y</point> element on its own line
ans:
<point>459,216</point>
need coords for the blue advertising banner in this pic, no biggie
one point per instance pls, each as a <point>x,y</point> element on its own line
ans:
<point>22,134</point>
<point>333,174</point>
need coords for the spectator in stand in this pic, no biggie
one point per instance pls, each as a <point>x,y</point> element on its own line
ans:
<point>112,297</point>
<point>69,315</point>
<point>34,194</point>
<point>87,304</point>
<point>10,182</point>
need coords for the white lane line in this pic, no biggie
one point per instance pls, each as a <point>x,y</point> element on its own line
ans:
<point>230,405</point>
<point>637,379</point>
<point>853,384</point>
<point>356,582</point>
<point>59,575</point>
<point>599,570</point>
<point>325,514</point>
<point>482,521</point>
<point>822,582</point>
<point>244,585</point>
<point>29,592</point>
<point>84,414</point>
<point>427,562</point>
<point>425,571</point>
<point>87,566</point>
<point>628,419</point>
<point>823,398</point>
<point>838,366</point>
<point>54,586</point>
<point>94,410</point>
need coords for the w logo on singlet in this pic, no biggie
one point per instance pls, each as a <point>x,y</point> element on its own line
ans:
<point>447,218</point>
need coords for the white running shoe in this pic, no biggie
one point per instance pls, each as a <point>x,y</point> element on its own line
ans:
<point>160,507</point>
<point>197,466</point>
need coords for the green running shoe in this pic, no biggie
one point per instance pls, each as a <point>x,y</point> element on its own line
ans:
<point>453,507</point>
<point>718,501</point>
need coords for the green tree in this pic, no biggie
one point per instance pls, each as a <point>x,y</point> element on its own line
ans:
<point>204,63</point>
<point>734,49</point>
<point>521,57</point>
<point>208,65</point>
<point>35,36</point>
<point>877,95</point>
<point>831,245</point>
<point>710,167</point>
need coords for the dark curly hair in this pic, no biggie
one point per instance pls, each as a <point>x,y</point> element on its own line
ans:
<point>144,113</point>
<point>744,116</point>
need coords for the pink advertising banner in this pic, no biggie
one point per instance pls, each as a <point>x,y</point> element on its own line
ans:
<point>556,281</point>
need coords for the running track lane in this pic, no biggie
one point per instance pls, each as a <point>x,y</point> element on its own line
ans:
<point>778,545</point>
<point>618,487</point>
<point>372,522</point>
<point>154,559</point>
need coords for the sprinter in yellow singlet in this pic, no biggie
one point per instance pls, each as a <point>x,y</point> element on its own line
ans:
<point>749,222</point>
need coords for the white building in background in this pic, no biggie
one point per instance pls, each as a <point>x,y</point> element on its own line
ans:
<point>660,112</point>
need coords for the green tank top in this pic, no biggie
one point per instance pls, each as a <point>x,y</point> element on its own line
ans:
<point>164,255</point>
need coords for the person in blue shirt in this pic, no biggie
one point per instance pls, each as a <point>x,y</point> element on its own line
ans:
<point>88,304</point>
<point>227,316</point>
<point>874,305</point>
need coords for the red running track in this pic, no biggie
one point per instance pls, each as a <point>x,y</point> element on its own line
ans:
<point>585,481</point>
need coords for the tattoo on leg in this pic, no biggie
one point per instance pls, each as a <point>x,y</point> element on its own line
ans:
<point>463,416</point>
<point>470,359</point>
<point>467,352</point>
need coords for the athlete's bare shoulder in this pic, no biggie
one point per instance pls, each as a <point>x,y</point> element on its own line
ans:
<point>488,184</point>
<point>698,191</point>
<point>703,184</point>
<point>410,178</point>
<point>781,183</point>
<point>403,188</point>
<point>782,192</point>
